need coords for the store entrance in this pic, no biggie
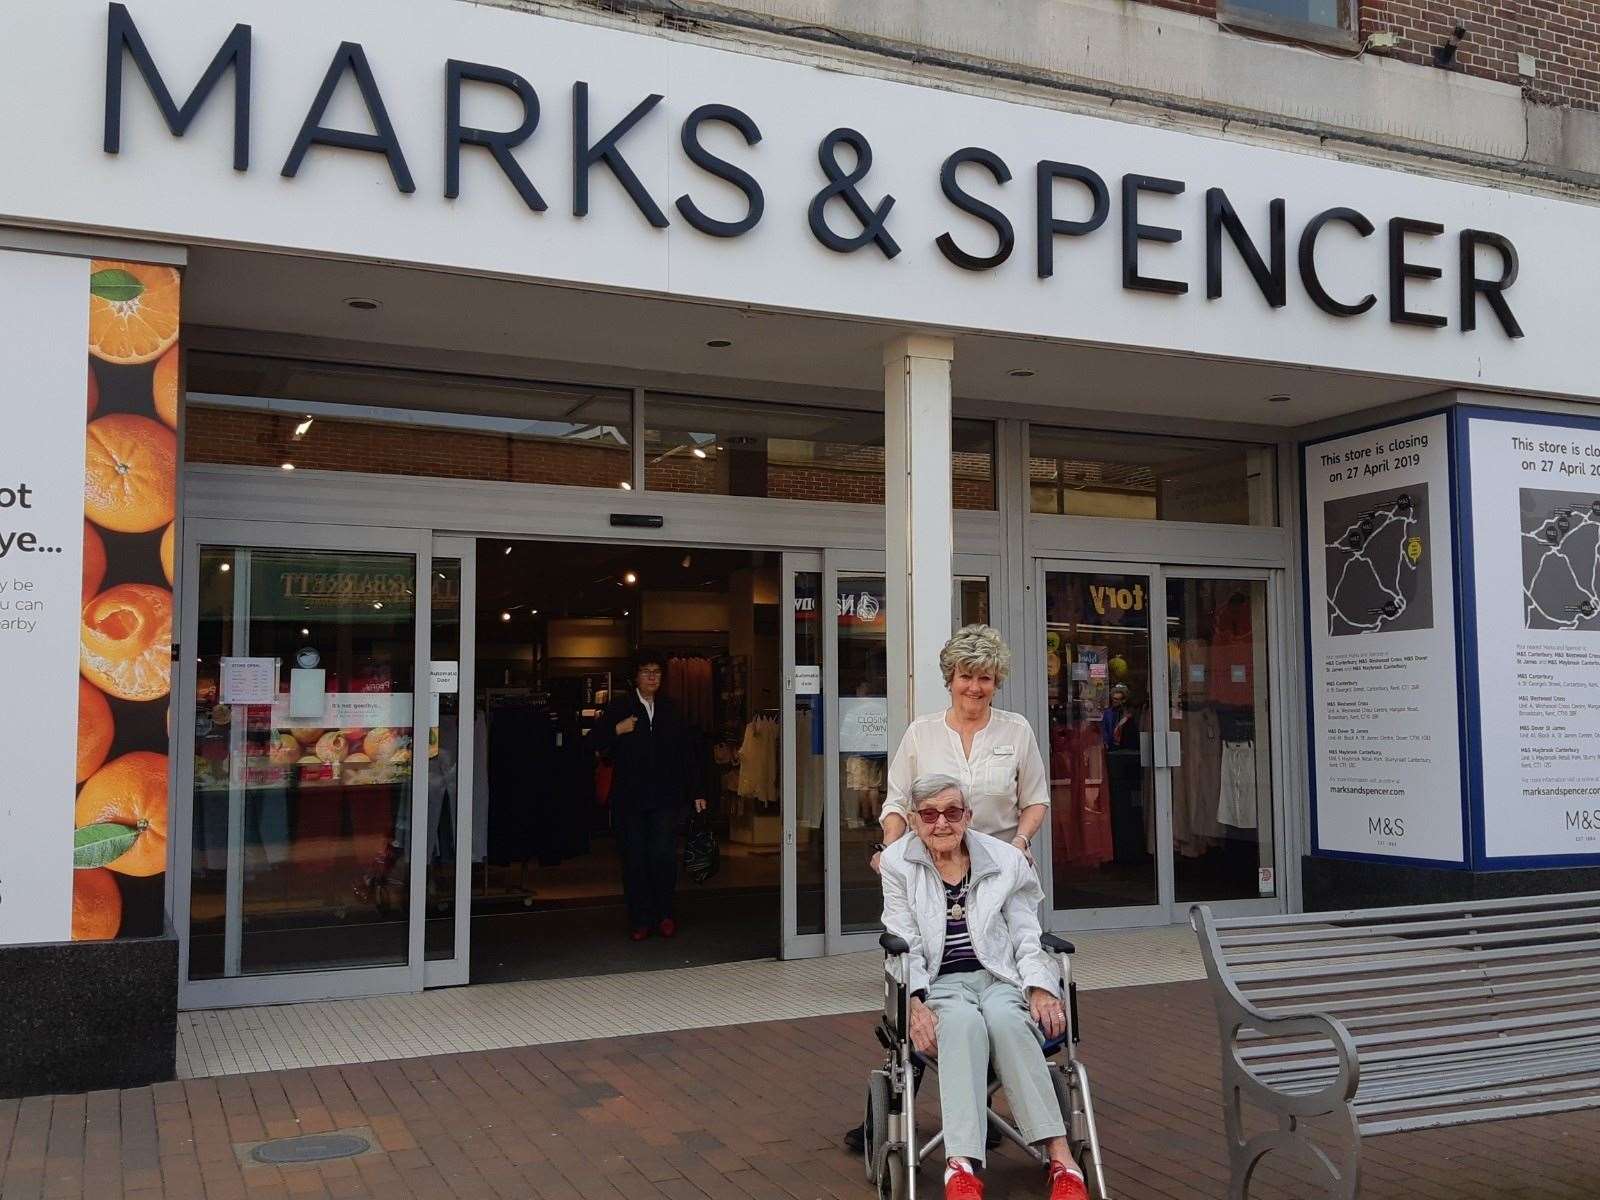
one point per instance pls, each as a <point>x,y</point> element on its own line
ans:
<point>558,626</point>
<point>1161,715</point>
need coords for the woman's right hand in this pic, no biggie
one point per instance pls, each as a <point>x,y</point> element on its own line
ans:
<point>627,726</point>
<point>924,1027</point>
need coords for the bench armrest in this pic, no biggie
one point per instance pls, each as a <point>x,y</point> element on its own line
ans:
<point>1235,1013</point>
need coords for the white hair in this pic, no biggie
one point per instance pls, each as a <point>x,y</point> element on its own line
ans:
<point>926,787</point>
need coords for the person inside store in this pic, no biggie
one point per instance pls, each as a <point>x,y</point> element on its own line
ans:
<point>1119,730</point>
<point>984,991</point>
<point>655,778</point>
<point>991,751</point>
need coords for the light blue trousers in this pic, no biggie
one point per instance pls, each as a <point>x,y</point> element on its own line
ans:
<point>983,1019</point>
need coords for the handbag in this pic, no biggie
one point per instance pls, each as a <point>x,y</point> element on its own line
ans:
<point>701,854</point>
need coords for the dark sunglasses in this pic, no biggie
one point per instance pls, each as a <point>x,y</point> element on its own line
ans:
<point>955,814</point>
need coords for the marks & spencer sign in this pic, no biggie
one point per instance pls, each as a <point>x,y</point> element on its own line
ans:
<point>486,139</point>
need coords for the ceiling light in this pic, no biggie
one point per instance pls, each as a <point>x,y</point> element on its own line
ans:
<point>624,612</point>
<point>362,303</point>
<point>508,549</point>
<point>629,578</point>
<point>305,633</point>
<point>288,466</point>
<point>505,616</point>
<point>1020,373</point>
<point>697,452</point>
<point>1279,399</point>
<point>534,611</point>
<point>303,428</point>
<point>377,604</point>
<point>225,567</point>
<point>625,486</point>
<point>719,343</point>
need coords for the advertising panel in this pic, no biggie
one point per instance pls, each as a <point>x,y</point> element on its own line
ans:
<point>1534,483</point>
<point>1385,717</point>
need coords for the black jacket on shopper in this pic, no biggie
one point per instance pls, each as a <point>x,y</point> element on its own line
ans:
<point>655,766</point>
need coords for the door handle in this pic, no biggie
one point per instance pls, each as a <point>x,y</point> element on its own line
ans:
<point>1174,749</point>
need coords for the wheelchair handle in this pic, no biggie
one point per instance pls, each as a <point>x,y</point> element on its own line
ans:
<point>893,943</point>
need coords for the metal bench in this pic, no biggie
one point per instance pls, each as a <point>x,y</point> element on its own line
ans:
<point>1394,1019</point>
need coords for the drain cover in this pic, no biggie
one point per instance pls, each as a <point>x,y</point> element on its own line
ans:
<point>311,1147</point>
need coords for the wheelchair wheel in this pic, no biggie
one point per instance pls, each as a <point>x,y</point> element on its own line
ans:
<point>892,1181</point>
<point>875,1128</point>
<point>1091,1181</point>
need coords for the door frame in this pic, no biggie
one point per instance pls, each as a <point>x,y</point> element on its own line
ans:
<point>288,987</point>
<point>1167,909</point>
<point>456,970</point>
<point>793,943</point>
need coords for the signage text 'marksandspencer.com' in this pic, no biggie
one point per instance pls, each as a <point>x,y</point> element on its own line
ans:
<point>841,201</point>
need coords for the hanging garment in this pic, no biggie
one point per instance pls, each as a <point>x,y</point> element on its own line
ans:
<point>758,761</point>
<point>1232,658</point>
<point>1237,804</point>
<point>1197,782</point>
<point>1080,811</point>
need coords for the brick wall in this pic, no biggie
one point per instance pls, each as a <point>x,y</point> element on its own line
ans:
<point>1563,35</point>
<point>241,437</point>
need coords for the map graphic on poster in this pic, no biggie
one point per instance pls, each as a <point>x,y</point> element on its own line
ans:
<point>1560,559</point>
<point>1379,572</point>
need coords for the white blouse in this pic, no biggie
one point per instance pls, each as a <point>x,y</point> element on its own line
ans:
<point>1004,774</point>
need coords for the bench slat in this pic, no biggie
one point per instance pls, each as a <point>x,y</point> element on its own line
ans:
<point>1548,903</point>
<point>1367,928</point>
<point>1499,972</point>
<point>1462,943</point>
<point>1489,990</point>
<point>1338,970</point>
<point>1478,1116</point>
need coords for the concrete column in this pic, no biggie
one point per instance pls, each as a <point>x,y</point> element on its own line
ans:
<point>919,535</point>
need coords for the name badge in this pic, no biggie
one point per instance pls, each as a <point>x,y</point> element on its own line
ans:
<point>1004,751</point>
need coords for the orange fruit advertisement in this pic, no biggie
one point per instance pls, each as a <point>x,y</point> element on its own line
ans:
<point>130,544</point>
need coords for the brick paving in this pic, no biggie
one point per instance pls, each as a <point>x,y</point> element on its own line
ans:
<point>748,1112</point>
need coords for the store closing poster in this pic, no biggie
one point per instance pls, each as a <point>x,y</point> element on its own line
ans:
<point>1386,753</point>
<point>88,493</point>
<point>1535,493</point>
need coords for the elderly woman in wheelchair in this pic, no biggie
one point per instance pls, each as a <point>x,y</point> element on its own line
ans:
<point>978,992</point>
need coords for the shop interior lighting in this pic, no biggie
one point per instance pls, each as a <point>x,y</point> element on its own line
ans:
<point>305,633</point>
<point>629,578</point>
<point>303,428</point>
<point>686,561</point>
<point>288,466</point>
<point>625,486</point>
<point>363,303</point>
<point>697,452</point>
<point>225,567</point>
<point>505,616</point>
<point>508,549</point>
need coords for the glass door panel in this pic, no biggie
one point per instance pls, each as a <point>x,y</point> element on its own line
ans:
<point>447,864</point>
<point>1102,698</point>
<point>304,738</point>
<point>1222,814</point>
<point>862,728</point>
<point>807,840</point>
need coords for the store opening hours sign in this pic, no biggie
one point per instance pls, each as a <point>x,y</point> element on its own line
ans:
<point>1384,716</point>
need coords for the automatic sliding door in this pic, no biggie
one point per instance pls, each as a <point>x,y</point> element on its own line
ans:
<point>1105,692</point>
<point>304,774</point>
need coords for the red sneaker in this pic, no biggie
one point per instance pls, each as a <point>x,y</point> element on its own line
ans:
<point>962,1183</point>
<point>1066,1183</point>
<point>668,927</point>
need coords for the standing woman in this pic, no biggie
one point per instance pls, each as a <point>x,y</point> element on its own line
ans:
<point>992,752</point>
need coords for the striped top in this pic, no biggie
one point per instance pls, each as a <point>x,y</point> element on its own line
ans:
<point>959,956</point>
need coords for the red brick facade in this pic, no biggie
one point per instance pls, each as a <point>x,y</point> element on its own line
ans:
<point>1563,36</point>
<point>245,437</point>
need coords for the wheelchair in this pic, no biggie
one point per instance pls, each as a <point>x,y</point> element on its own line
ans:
<point>889,1144</point>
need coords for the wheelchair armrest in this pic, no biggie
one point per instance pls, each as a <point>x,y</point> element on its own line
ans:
<point>893,943</point>
<point>1057,945</point>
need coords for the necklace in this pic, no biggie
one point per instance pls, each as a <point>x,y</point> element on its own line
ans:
<point>955,895</point>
